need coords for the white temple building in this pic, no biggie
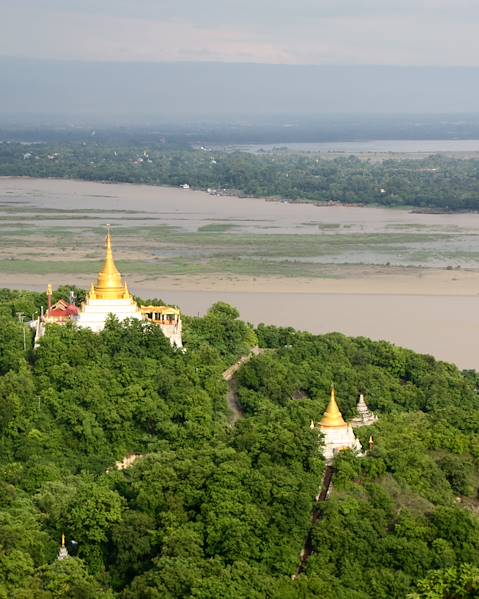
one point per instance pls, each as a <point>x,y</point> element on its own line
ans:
<point>338,434</point>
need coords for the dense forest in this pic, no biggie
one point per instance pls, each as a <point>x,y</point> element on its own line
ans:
<point>211,509</point>
<point>433,183</point>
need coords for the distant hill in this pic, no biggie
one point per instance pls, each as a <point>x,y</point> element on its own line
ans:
<point>138,92</point>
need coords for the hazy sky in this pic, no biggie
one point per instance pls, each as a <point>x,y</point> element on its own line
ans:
<point>394,32</point>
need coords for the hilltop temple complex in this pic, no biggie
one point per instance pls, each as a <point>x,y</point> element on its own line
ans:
<point>110,295</point>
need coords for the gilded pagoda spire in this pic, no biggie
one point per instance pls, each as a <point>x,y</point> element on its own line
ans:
<point>109,284</point>
<point>332,417</point>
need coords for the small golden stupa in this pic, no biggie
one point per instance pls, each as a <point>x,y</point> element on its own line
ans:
<point>332,417</point>
<point>109,284</point>
<point>338,435</point>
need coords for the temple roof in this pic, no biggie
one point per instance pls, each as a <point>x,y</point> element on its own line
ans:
<point>56,312</point>
<point>332,417</point>
<point>61,311</point>
<point>159,309</point>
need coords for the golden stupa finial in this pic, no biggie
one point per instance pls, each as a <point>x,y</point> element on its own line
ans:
<point>332,417</point>
<point>109,266</point>
<point>109,284</point>
<point>63,539</point>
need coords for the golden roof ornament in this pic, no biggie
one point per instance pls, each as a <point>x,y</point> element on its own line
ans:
<point>332,417</point>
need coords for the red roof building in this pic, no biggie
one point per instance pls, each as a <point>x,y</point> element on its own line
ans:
<point>61,312</point>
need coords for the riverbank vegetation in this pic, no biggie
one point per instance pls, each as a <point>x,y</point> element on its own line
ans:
<point>210,510</point>
<point>438,183</point>
<point>248,248</point>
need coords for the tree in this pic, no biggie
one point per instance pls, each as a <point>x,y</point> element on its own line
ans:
<point>454,583</point>
<point>69,578</point>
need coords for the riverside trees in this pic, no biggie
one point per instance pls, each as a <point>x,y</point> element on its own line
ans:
<point>431,183</point>
<point>211,511</point>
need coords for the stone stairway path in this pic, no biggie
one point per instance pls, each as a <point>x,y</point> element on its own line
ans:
<point>229,376</point>
<point>307,550</point>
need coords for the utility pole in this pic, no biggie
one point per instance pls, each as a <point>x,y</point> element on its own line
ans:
<point>49,296</point>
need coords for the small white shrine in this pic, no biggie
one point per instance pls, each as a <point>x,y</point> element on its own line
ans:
<point>63,551</point>
<point>364,417</point>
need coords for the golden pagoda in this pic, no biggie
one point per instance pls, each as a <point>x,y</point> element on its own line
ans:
<point>109,284</point>
<point>108,296</point>
<point>338,434</point>
<point>332,417</point>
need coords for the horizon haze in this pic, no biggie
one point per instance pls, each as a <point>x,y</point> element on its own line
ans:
<point>131,93</point>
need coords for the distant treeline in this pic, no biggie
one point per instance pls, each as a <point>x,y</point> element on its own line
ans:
<point>433,183</point>
<point>240,130</point>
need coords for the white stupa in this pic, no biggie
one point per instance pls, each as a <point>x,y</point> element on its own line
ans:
<point>338,434</point>
<point>365,417</point>
<point>109,295</point>
<point>63,552</point>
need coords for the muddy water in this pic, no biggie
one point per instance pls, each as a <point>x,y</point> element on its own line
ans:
<point>190,209</point>
<point>444,326</point>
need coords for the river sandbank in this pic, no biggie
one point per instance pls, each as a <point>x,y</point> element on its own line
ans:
<point>369,281</point>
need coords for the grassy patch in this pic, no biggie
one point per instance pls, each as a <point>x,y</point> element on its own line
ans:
<point>223,248</point>
<point>176,266</point>
<point>217,228</point>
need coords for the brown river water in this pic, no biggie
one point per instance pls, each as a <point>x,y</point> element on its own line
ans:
<point>445,326</point>
<point>190,209</point>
